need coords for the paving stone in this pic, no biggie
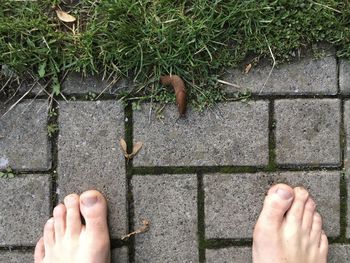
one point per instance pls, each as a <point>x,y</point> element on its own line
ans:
<point>24,141</point>
<point>339,253</point>
<point>89,156</point>
<point>76,83</point>
<point>16,257</point>
<point>169,202</point>
<point>347,156</point>
<point>120,255</point>
<point>233,133</point>
<point>306,76</point>
<point>307,132</point>
<point>234,201</point>
<point>25,208</point>
<point>344,76</point>
<point>229,255</point>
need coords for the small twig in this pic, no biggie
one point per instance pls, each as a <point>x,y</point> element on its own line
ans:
<point>108,86</point>
<point>144,228</point>
<point>273,66</point>
<point>229,84</point>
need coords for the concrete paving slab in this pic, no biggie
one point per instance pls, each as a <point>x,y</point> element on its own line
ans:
<point>24,144</point>
<point>16,257</point>
<point>306,76</point>
<point>234,133</point>
<point>120,255</point>
<point>307,132</point>
<point>347,157</point>
<point>339,253</point>
<point>76,83</point>
<point>229,255</point>
<point>89,156</point>
<point>344,76</point>
<point>25,208</point>
<point>233,200</point>
<point>169,202</point>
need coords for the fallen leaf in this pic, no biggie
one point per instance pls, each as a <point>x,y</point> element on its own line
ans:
<point>122,144</point>
<point>137,147</point>
<point>144,228</point>
<point>247,68</point>
<point>180,91</point>
<point>65,17</point>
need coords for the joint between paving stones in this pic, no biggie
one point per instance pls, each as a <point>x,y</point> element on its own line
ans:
<point>272,137</point>
<point>217,243</point>
<point>53,120</point>
<point>200,218</point>
<point>343,208</point>
<point>128,124</point>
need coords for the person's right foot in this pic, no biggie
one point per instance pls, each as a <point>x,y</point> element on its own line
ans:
<point>67,240</point>
<point>289,230</point>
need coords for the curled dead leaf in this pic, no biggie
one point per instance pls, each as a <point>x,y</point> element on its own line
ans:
<point>247,68</point>
<point>180,91</point>
<point>137,147</point>
<point>64,16</point>
<point>144,228</point>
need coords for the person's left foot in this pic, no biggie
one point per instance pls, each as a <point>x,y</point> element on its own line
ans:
<point>67,240</point>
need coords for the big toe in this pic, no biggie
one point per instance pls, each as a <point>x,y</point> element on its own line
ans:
<point>93,207</point>
<point>276,204</point>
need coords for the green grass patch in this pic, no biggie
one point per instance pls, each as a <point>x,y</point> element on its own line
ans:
<point>147,38</point>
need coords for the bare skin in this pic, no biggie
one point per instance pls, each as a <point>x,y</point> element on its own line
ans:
<point>289,230</point>
<point>67,240</point>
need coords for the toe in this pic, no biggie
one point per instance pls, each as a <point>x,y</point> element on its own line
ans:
<point>93,207</point>
<point>49,234</point>
<point>59,215</point>
<point>277,202</point>
<point>324,245</point>
<point>296,211</point>
<point>316,230</point>
<point>73,221</point>
<point>39,252</point>
<point>308,215</point>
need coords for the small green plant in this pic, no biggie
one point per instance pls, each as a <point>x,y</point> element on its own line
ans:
<point>52,112</point>
<point>52,129</point>
<point>7,174</point>
<point>90,96</point>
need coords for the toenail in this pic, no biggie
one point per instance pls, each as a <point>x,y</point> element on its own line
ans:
<point>284,194</point>
<point>70,200</point>
<point>89,201</point>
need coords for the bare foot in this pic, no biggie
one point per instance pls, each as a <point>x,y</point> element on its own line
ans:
<point>289,229</point>
<point>67,240</point>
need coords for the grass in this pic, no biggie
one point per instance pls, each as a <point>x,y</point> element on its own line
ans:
<point>144,39</point>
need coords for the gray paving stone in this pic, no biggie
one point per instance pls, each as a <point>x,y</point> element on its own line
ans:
<point>339,253</point>
<point>344,76</point>
<point>76,83</point>
<point>16,257</point>
<point>169,202</point>
<point>24,141</point>
<point>347,156</point>
<point>25,207</point>
<point>233,133</point>
<point>307,131</point>
<point>234,201</point>
<point>120,255</point>
<point>229,255</point>
<point>89,156</point>
<point>307,76</point>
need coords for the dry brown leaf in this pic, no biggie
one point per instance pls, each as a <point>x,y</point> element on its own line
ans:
<point>137,147</point>
<point>122,144</point>
<point>65,17</point>
<point>144,228</point>
<point>247,68</point>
